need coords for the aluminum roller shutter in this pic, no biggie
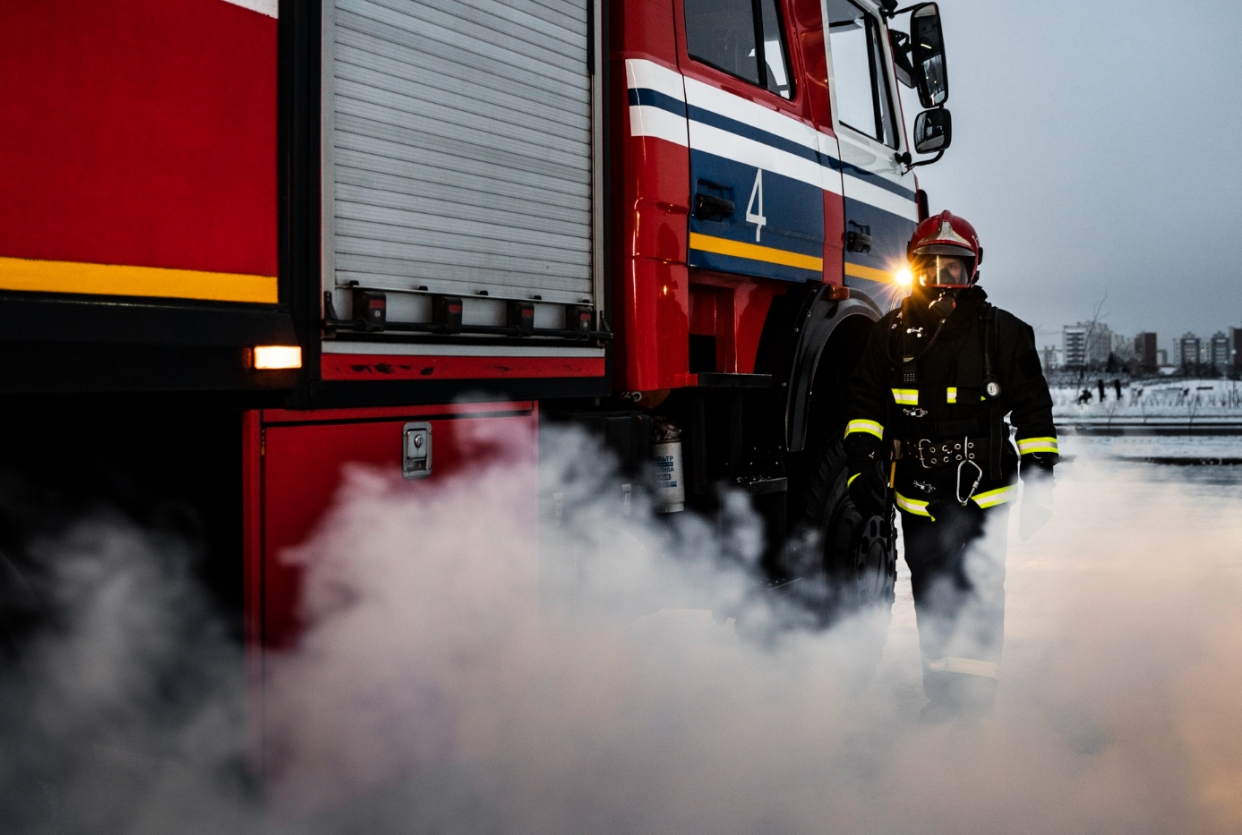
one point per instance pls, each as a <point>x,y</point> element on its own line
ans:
<point>460,153</point>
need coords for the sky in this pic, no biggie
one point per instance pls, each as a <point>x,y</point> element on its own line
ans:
<point>1094,150</point>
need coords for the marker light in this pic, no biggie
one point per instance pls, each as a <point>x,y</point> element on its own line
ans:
<point>268,357</point>
<point>904,277</point>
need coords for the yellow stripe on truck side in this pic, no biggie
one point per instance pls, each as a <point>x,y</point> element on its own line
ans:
<point>869,273</point>
<point>33,276</point>
<point>754,252</point>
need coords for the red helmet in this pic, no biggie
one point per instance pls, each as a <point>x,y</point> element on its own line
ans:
<point>944,252</point>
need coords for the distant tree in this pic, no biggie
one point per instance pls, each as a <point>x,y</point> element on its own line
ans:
<point>1093,326</point>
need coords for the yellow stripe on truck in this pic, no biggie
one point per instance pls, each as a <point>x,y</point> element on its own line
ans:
<point>33,276</point>
<point>754,252</point>
<point>869,273</point>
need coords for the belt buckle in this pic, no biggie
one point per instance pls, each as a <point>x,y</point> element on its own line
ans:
<point>921,453</point>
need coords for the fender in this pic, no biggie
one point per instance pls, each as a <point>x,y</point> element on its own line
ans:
<point>818,320</point>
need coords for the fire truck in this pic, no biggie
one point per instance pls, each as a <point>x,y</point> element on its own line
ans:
<point>244,243</point>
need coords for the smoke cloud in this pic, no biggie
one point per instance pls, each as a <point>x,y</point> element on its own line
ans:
<point>619,672</point>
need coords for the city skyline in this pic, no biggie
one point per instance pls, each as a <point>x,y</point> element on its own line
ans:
<point>1094,343</point>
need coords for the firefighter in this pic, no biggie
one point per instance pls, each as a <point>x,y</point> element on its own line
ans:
<point>927,430</point>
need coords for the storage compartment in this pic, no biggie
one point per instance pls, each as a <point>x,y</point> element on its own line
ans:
<point>461,154</point>
<point>338,481</point>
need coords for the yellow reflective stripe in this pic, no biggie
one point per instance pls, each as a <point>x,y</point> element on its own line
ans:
<point>850,480</point>
<point>870,427</point>
<point>914,506</point>
<point>36,276</point>
<point>906,397</point>
<point>950,395</point>
<point>869,273</point>
<point>754,252</point>
<point>965,666</point>
<point>1026,445</point>
<point>994,497</point>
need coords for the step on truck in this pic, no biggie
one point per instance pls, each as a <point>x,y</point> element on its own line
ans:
<point>244,243</point>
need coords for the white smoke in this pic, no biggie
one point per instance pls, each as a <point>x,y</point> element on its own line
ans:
<point>122,709</point>
<point>627,675</point>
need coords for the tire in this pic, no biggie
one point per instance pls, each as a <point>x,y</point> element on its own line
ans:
<point>841,562</point>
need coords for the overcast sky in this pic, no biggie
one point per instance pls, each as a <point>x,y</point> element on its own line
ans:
<point>1096,149</point>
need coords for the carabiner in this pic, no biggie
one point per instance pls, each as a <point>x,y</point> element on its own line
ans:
<point>974,486</point>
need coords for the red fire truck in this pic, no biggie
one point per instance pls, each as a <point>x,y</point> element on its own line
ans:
<point>246,242</point>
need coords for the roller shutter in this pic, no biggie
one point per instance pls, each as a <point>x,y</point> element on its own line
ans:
<point>460,156</point>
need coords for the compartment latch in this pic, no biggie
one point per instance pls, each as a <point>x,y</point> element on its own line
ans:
<point>416,450</point>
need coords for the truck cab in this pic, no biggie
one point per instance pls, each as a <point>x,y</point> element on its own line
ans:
<point>768,194</point>
<point>763,149</point>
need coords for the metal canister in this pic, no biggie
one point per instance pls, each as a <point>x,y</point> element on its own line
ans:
<point>669,473</point>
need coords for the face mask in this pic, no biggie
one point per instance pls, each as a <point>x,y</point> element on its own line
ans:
<point>942,272</point>
<point>943,305</point>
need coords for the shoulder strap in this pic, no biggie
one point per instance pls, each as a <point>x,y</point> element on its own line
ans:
<point>897,340</point>
<point>989,321</point>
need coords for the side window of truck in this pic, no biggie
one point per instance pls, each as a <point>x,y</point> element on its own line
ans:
<point>860,72</point>
<point>743,38</point>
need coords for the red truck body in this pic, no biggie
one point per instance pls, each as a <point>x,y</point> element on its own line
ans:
<point>636,231</point>
<point>140,150</point>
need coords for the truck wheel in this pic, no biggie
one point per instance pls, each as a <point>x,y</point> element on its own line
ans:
<point>842,562</point>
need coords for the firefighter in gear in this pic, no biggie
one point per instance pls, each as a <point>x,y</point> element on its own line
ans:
<point>926,429</point>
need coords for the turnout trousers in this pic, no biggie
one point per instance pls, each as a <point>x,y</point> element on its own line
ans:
<point>957,570</point>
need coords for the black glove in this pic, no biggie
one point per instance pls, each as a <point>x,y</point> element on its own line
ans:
<point>867,482</point>
<point>1037,485</point>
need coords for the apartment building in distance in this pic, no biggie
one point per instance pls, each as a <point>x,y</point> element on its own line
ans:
<point>1086,344</point>
<point>1146,351</point>
<point>1188,351</point>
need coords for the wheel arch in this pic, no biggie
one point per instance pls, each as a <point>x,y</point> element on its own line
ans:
<point>824,329</point>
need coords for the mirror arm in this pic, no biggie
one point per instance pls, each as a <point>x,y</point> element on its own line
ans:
<point>906,160</point>
<point>895,12</point>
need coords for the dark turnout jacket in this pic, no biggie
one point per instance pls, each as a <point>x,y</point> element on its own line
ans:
<point>950,402</point>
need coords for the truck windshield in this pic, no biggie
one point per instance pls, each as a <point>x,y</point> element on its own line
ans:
<point>860,72</point>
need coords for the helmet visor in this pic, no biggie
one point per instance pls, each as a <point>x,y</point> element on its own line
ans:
<point>945,271</point>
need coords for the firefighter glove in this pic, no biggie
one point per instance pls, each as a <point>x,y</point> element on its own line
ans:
<point>867,484</point>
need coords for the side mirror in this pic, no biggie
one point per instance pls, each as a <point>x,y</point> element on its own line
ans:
<point>927,55</point>
<point>933,131</point>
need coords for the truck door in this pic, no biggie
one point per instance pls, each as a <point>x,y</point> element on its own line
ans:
<point>880,205</point>
<point>757,174</point>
